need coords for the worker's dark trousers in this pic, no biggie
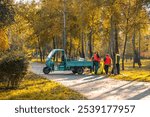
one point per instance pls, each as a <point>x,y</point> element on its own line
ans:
<point>106,68</point>
<point>118,68</point>
<point>95,66</point>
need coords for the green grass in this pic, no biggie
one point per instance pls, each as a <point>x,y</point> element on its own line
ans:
<point>35,87</point>
<point>139,74</point>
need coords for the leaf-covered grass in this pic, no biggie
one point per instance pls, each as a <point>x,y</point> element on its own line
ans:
<point>37,60</point>
<point>35,87</point>
<point>138,74</point>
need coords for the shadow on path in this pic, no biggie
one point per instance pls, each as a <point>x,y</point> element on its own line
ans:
<point>118,89</point>
<point>66,76</point>
<point>141,95</point>
<point>97,78</point>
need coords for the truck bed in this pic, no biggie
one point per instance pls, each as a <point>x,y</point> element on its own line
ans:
<point>79,64</point>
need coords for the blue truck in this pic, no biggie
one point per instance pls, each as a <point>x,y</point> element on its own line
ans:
<point>65,64</point>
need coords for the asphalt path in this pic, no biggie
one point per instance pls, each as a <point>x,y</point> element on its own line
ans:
<point>96,87</point>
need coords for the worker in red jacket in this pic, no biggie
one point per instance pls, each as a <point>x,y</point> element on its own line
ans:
<point>96,61</point>
<point>107,63</point>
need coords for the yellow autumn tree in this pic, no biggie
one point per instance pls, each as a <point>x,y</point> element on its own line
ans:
<point>3,40</point>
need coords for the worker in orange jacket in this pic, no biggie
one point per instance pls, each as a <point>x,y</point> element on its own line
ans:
<point>96,61</point>
<point>107,63</point>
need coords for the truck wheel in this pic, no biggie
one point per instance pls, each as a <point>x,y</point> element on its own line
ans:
<point>80,71</point>
<point>74,71</point>
<point>46,70</point>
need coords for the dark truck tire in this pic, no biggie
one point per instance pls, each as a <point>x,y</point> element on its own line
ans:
<point>46,70</point>
<point>80,70</point>
<point>74,71</point>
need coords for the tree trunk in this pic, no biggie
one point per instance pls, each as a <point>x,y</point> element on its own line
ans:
<point>87,47</point>
<point>40,50</point>
<point>109,45</point>
<point>78,53</point>
<point>54,43</point>
<point>124,50</point>
<point>64,28</point>
<point>113,43</point>
<point>116,40</point>
<point>134,50</point>
<point>116,49</point>
<point>82,45</point>
<point>70,49</point>
<point>125,44</point>
<point>139,53</point>
<point>44,51</point>
<point>90,44</point>
<point>54,46</point>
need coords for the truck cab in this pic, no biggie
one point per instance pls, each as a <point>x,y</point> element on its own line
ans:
<point>55,61</point>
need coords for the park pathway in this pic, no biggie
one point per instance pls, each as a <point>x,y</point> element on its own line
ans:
<point>97,87</point>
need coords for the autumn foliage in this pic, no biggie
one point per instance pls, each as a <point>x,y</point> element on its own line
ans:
<point>3,40</point>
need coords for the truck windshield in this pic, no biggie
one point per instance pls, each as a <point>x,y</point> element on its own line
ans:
<point>51,54</point>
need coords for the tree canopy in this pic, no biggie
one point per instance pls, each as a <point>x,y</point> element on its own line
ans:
<point>6,18</point>
<point>80,27</point>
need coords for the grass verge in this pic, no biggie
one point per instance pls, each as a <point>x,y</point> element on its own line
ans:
<point>37,61</point>
<point>35,87</point>
<point>138,74</point>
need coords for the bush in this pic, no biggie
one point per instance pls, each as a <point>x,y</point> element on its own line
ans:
<point>13,68</point>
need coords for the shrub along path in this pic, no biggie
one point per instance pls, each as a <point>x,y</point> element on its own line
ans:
<point>98,87</point>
